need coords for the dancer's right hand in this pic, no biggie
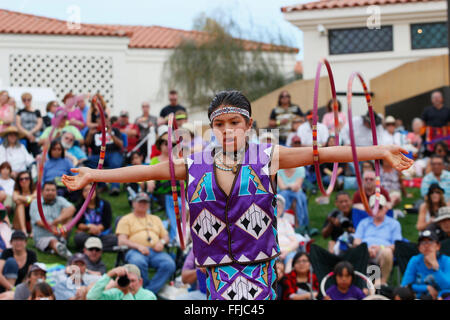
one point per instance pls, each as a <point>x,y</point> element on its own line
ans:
<point>79,181</point>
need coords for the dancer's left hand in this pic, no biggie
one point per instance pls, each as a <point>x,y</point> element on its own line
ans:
<point>394,155</point>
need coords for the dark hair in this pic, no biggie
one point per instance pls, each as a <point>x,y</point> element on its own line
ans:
<point>429,203</point>
<point>344,265</point>
<point>233,98</point>
<point>52,145</point>
<point>47,108</point>
<point>298,255</point>
<point>44,288</point>
<point>5,165</point>
<point>330,105</point>
<point>435,156</point>
<point>173,92</point>
<point>328,141</point>
<point>49,182</point>
<point>280,97</point>
<point>342,193</point>
<point>81,200</point>
<point>67,97</point>
<point>100,100</point>
<point>443,145</point>
<point>405,293</point>
<point>17,186</point>
<point>369,162</point>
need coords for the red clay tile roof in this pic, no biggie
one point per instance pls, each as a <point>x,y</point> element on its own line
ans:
<point>21,23</point>
<point>168,38</point>
<point>140,36</point>
<point>333,4</point>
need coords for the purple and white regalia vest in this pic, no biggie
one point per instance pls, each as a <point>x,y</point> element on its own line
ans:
<point>239,228</point>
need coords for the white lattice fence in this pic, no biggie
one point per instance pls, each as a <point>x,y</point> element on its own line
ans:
<point>62,73</point>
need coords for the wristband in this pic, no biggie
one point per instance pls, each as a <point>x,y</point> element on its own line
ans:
<point>278,122</point>
<point>29,199</point>
<point>13,289</point>
<point>163,242</point>
<point>382,247</point>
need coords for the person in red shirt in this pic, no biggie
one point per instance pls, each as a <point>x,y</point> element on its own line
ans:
<point>369,188</point>
<point>130,129</point>
<point>300,283</point>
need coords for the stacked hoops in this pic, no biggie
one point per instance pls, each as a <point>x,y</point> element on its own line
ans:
<point>59,115</point>
<point>314,127</point>
<point>327,192</point>
<point>374,139</point>
<point>181,226</point>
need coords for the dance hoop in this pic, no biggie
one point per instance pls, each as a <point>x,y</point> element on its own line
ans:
<point>314,127</point>
<point>353,144</point>
<point>59,115</point>
<point>369,283</point>
<point>172,124</point>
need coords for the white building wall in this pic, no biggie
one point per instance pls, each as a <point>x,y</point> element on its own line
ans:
<point>137,74</point>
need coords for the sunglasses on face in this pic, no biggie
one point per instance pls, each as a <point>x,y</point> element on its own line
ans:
<point>95,249</point>
<point>285,96</point>
<point>369,179</point>
<point>165,143</point>
<point>24,179</point>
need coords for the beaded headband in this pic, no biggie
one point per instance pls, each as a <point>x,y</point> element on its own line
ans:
<point>224,110</point>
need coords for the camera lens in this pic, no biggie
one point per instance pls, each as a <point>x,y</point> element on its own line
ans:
<point>123,281</point>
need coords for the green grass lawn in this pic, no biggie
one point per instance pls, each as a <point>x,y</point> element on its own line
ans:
<point>317,216</point>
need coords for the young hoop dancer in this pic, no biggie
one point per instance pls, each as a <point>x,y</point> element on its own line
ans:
<point>232,197</point>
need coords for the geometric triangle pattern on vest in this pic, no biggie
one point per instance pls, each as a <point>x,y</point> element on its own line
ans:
<point>254,221</point>
<point>207,226</point>
<point>242,289</point>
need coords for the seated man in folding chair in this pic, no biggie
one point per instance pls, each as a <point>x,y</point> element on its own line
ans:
<point>146,237</point>
<point>379,233</point>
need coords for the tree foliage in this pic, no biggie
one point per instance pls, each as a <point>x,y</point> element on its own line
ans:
<point>215,61</point>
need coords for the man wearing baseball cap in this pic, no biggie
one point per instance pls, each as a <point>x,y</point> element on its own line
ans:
<point>93,250</point>
<point>380,233</point>
<point>128,285</point>
<point>72,282</point>
<point>146,237</point>
<point>36,274</point>
<point>428,273</point>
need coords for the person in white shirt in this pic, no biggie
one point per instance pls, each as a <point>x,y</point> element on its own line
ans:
<point>362,131</point>
<point>305,132</point>
<point>13,151</point>
<point>390,135</point>
<point>6,182</point>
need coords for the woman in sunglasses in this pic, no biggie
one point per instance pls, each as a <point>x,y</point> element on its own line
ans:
<point>283,114</point>
<point>96,221</point>
<point>24,194</point>
<point>428,210</point>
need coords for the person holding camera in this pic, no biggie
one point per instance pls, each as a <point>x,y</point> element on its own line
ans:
<point>339,220</point>
<point>146,237</point>
<point>127,285</point>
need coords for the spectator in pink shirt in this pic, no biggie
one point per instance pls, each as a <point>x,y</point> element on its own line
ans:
<point>328,118</point>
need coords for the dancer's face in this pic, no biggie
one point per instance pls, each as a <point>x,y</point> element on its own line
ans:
<point>229,127</point>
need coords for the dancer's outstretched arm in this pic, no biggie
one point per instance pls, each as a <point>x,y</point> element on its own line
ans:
<point>284,158</point>
<point>130,174</point>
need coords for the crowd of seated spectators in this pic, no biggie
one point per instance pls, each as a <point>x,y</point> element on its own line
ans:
<point>142,240</point>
